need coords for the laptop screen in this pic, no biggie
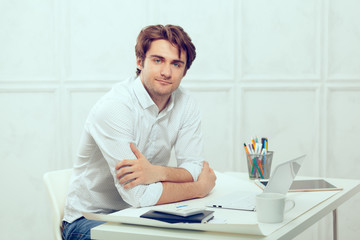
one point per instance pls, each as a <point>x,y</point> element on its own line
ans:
<point>284,175</point>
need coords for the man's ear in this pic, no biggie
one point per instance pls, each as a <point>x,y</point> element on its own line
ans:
<point>139,63</point>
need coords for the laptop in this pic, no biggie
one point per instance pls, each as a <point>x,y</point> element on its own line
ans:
<point>279,182</point>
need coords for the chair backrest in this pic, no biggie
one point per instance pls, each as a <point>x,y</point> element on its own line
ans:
<point>57,183</point>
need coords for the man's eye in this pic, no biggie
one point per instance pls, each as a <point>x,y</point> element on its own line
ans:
<point>157,61</point>
<point>177,65</point>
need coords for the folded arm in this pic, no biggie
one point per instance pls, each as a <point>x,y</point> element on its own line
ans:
<point>141,171</point>
<point>173,192</point>
<point>177,183</point>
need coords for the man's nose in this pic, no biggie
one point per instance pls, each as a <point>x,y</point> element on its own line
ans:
<point>166,71</point>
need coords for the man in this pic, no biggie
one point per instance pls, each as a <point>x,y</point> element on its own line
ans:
<point>130,132</point>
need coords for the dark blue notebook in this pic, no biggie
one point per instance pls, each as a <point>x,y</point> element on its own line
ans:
<point>171,218</point>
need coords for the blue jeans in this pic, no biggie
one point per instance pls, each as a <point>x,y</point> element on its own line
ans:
<point>79,229</point>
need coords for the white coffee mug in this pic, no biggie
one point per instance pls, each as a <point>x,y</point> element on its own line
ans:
<point>270,207</point>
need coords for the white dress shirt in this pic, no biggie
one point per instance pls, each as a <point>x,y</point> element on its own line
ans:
<point>128,114</point>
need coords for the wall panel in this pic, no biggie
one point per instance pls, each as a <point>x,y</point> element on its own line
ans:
<point>102,37</point>
<point>29,147</point>
<point>344,38</point>
<point>280,40</point>
<point>28,41</point>
<point>80,102</point>
<point>343,131</point>
<point>216,106</point>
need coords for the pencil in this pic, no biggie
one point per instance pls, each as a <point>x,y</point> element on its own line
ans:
<point>247,153</point>
<point>261,169</point>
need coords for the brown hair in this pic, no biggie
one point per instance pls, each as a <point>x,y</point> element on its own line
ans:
<point>174,34</point>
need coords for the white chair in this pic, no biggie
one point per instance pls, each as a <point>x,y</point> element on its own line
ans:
<point>57,183</point>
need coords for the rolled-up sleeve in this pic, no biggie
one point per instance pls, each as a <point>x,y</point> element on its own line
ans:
<point>189,143</point>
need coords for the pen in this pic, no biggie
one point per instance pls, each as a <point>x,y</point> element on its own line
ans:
<point>260,148</point>
<point>260,165</point>
<point>257,167</point>
<point>258,152</point>
<point>263,152</point>
<point>181,206</point>
<point>265,143</point>
<point>253,142</point>
<point>251,150</point>
<point>247,152</point>
<point>253,167</point>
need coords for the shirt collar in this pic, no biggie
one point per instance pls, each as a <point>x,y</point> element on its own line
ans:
<point>145,99</point>
<point>142,95</point>
<point>170,104</point>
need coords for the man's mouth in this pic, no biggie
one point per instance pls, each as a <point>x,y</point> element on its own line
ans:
<point>162,81</point>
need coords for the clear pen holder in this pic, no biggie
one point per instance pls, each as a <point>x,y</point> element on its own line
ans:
<point>259,165</point>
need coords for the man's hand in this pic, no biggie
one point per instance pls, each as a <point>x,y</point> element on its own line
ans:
<point>139,171</point>
<point>206,180</point>
<point>174,192</point>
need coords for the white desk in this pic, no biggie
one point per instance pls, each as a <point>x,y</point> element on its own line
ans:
<point>110,231</point>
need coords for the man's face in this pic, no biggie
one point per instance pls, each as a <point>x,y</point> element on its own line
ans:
<point>162,69</point>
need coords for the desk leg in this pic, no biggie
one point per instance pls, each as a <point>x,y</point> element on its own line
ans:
<point>335,233</point>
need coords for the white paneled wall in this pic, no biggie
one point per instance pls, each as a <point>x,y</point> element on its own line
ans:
<point>288,70</point>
